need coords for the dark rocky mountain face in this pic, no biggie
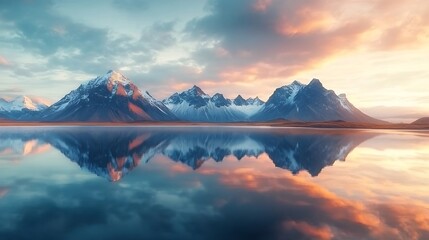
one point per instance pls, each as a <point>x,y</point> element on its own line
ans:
<point>110,98</point>
<point>240,101</point>
<point>194,96</point>
<point>219,100</point>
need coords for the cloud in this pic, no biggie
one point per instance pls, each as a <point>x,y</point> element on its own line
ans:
<point>131,5</point>
<point>294,208</point>
<point>263,41</point>
<point>159,35</point>
<point>10,92</point>
<point>64,43</point>
<point>4,61</point>
<point>250,45</point>
<point>218,203</point>
<point>288,35</point>
<point>401,24</point>
<point>3,191</point>
<point>397,113</point>
<point>176,75</point>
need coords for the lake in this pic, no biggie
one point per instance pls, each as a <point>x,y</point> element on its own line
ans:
<point>213,183</point>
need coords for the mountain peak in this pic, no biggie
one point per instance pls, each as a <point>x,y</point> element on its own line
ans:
<point>315,83</point>
<point>255,101</point>
<point>195,90</point>
<point>240,101</point>
<point>297,83</point>
<point>239,97</point>
<point>116,77</point>
<point>111,79</point>
<point>219,100</point>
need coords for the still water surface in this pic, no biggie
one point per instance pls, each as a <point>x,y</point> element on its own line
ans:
<point>212,183</point>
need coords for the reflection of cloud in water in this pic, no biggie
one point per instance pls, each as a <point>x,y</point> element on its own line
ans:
<point>229,205</point>
<point>232,200</point>
<point>3,191</point>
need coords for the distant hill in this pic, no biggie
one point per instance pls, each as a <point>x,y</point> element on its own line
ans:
<point>421,121</point>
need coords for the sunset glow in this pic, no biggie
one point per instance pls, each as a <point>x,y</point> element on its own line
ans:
<point>375,51</point>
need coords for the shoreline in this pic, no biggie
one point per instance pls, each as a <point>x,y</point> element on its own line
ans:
<point>277,124</point>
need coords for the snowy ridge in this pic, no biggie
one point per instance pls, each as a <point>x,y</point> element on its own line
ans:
<point>195,105</point>
<point>344,102</point>
<point>20,103</point>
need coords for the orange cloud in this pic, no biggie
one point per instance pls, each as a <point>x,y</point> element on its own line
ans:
<point>313,232</point>
<point>307,20</point>
<point>268,41</point>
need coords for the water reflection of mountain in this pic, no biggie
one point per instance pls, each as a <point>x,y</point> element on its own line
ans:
<point>113,152</point>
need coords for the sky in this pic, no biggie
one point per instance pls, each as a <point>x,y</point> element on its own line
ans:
<point>375,51</point>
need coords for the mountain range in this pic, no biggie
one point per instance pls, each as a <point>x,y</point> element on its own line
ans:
<point>195,105</point>
<point>114,98</point>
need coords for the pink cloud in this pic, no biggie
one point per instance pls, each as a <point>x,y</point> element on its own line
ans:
<point>313,232</point>
<point>261,5</point>
<point>4,61</point>
<point>267,39</point>
<point>3,192</point>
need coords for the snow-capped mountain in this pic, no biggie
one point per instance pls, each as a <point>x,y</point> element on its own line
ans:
<point>114,98</point>
<point>195,105</point>
<point>312,102</point>
<point>108,98</point>
<point>296,102</point>
<point>21,103</point>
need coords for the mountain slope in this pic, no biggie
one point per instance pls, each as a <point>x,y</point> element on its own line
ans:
<point>195,105</point>
<point>421,121</point>
<point>312,102</point>
<point>108,98</point>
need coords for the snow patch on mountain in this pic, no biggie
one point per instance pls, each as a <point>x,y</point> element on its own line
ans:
<point>344,102</point>
<point>20,103</point>
<point>195,105</point>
